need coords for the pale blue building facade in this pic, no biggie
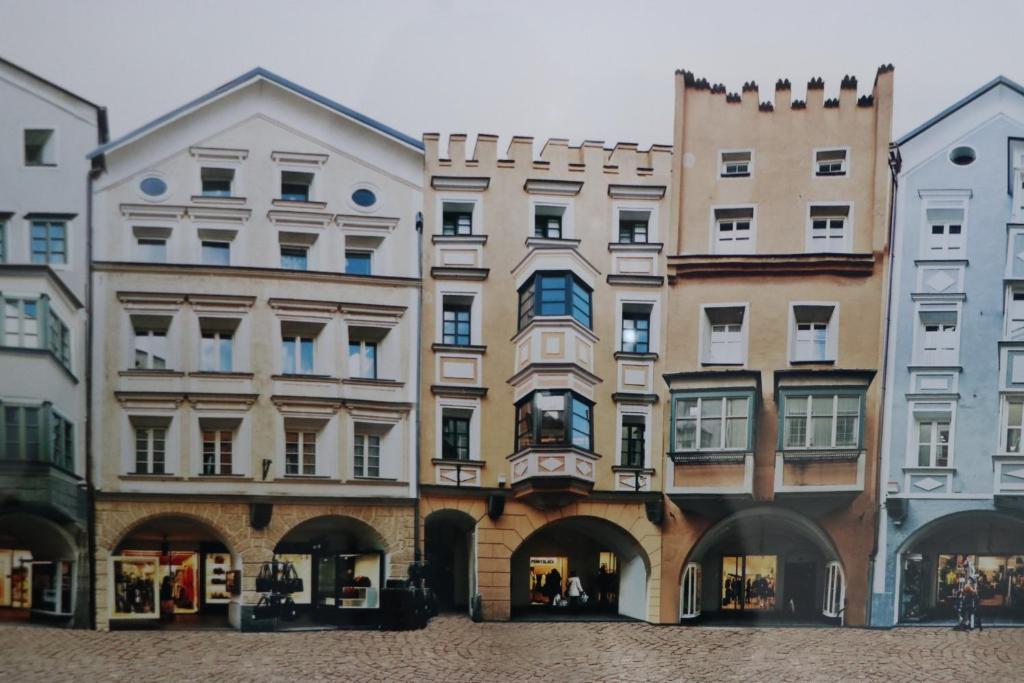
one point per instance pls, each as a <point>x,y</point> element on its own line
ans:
<point>952,472</point>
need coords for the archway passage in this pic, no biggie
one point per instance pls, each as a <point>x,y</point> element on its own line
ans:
<point>38,569</point>
<point>172,572</point>
<point>763,566</point>
<point>612,567</point>
<point>340,566</point>
<point>984,549</point>
<point>449,548</point>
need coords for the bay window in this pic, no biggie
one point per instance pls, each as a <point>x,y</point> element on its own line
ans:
<point>554,294</point>
<point>712,422</point>
<point>554,418</point>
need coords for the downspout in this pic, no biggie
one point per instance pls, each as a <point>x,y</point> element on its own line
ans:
<point>895,163</point>
<point>419,353</point>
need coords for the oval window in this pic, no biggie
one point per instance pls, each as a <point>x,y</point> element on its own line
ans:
<point>364,197</point>
<point>961,156</point>
<point>153,187</point>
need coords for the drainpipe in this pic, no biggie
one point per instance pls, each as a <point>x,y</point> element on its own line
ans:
<point>419,417</point>
<point>895,163</point>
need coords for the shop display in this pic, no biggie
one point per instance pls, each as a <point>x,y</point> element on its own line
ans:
<point>546,577</point>
<point>21,579</point>
<point>999,580</point>
<point>5,578</point>
<point>234,582</point>
<point>748,582</point>
<point>913,585</point>
<point>218,566</point>
<point>135,587</point>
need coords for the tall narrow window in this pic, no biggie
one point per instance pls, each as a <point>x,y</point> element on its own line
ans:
<point>300,453</point>
<point>217,181</point>
<point>633,440</point>
<point>21,323</point>
<point>636,329</point>
<point>295,186</point>
<point>1015,314</point>
<point>455,436</point>
<point>49,242</point>
<point>21,432</point>
<point>215,350</point>
<point>366,455</point>
<point>932,443</point>
<point>40,149</point>
<point>939,340</point>
<point>829,229</point>
<point>150,450</point>
<point>362,359</point>
<point>457,218</point>
<point>1013,424</point>
<point>456,328</point>
<point>150,345</point>
<point>217,452</point>
<point>813,334</point>
<point>297,355</point>
<point>734,231</point>
<point>60,340</point>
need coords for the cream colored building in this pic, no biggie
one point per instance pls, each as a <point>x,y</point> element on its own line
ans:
<point>256,297</point>
<point>544,333</point>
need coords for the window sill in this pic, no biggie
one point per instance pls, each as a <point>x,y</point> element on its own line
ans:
<point>724,364</point>
<point>459,348</point>
<point>929,468</point>
<point>319,379</point>
<point>633,355</point>
<point>40,165</point>
<point>631,468</point>
<point>458,239</point>
<point>553,242</point>
<point>298,204</point>
<point>829,361</point>
<point>227,477</point>
<point>382,481</point>
<point>150,477</point>
<point>735,175</point>
<point>309,479</point>
<point>146,372</point>
<point>457,461</point>
<point>217,374</point>
<point>654,247</point>
<point>212,200</point>
<point>373,382</point>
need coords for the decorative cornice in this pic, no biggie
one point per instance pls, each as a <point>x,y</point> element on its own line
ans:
<point>299,219</point>
<point>636,191</point>
<point>458,273</point>
<point>455,391</point>
<point>313,276</point>
<point>299,158</point>
<point>561,188</point>
<point>455,183</point>
<point>745,265</point>
<point>368,223</point>
<point>218,153</point>
<point>636,280</point>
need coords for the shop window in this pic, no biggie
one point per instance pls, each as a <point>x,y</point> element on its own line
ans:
<point>749,582</point>
<point>554,418</point>
<point>633,227</point>
<point>822,421</point>
<point>724,335</point>
<point>455,434</point>
<point>636,328</point>
<point>49,242</point>
<point>944,237</point>
<point>216,344</point>
<point>712,423</point>
<point>40,147</point>
<point>830,162</point>
<point>217,449</point>
<point>217,181</point>
<point>21,323</point>
<point>634,434</point>
<point>150,342</point>
<point>932,434</point>
<point>548,222</point>
<point>296,186</point>
<point>456,328</point>
<point>813,333</point>
<point>136,587</point>
<point>366,455</point>
<point>554,294</point>
<point>457,218</point>
<point>734,231</point>
<point>828,229</point>
<point>736,164</point>
<point>299,452</point>
<point>216,253</point>
<point>150,449</point>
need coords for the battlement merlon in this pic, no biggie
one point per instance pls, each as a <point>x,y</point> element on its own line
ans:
<point>749,99</point>
<point>556,155</point>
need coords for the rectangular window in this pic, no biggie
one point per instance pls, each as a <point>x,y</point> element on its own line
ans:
<point>153,250</point>
<point>297,355</point>
<point>49,242</point>
<point>456,324</point>
<point>1015,314</point>
<point>633,434</point>
<point>830,162</point>
<point>724,335</point>
<point>150,348</point>
<point>3,240</point>
<point>21,432</point>
<point>300,453</point>
<point>829,229</point>
<point>40,147</point>
<point>939,340</point>
<point>366,455</point>
<point>295,186</point>
<point>60,340</point>
<point>933,443</point>
<point>554,418</point>
<point>734,231</point>
<point>1013,424</point>
<point>455,437</point>
<point>712,423</point>
<point>217,452</point>
<point>945,233</point>
<point>554,294</point>
<point>362,359</point>
<point>216,253</point>
<point>217,181</point>
<point>215,349</point>
<point>735,164</point>
<point>633,227</point>
<point>294,258</point>
<point>812,332</point>
<point>821,421</point>
<point>636,329</point>
<point>358,262</point>
<point>62,442</point>
<point>21,323</point>
<point>457,218</point>
<point>547,222</point>
<point>150,450</point>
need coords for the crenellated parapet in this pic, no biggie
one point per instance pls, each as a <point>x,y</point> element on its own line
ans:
<point>556,156</point>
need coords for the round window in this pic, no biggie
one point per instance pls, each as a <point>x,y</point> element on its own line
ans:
<point>961,156</point>
<point>153,187</point>
<point>363,197</point>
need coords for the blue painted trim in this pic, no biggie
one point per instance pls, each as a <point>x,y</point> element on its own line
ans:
<point>260,72</point>
<point>998,80</point>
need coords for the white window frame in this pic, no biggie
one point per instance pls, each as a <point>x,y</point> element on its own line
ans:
<point>808,424</point>
<point>1004,426</point>
<point>149,356</point>
<point>716,246</point>
<point>360,371</point>
<point>957,200</point>
<point>650,208</point>
<point>218,451</point>
<point>831,331</point>
<point>150,450</point>
<point>465,291</point>
<point>463,406</point>
<point>303,431</point>
<point>477,227</point>
<point>932,412</point>
<point>722,163</point>
<point>568,231</point>
<point>922,356</point>
<point>363,436</point>
<point>722,417</point>
<point>218,337</point>
<point>836,148</point>
<point>1010,315</point>
<point>842,246</point>
<point>631,411</point>
<point>313,333</point>
<point>706,333</point>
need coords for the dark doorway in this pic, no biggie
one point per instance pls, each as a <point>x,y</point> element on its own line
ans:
<point>801,596</point>
<point>448,545</point>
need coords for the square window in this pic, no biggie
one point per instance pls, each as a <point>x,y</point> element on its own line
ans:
<point>295,186</point>
<point>217,181</point>
<point>829,229</point>
<point>735,164</point>
<point>734,231</point>
<point>944,236</point>
<point>152,250</point>
<point>830,162</point>
<point>3,240</point>
<point>633,227</point>
<point>49,242</point>
<point>294,258</point>
<point>457,218</point>
<point>216,253</point>
<point>297,355</point>
<point>40,147</point>
<point>358,262</point>
<point>547,222</point>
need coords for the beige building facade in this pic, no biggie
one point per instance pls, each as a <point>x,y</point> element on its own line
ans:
<point>255,303</point>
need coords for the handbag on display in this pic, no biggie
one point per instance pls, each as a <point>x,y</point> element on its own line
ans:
<point>265,579</point>
<point>290,581</point>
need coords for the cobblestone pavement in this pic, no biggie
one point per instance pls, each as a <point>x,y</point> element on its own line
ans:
<point>455,649</point>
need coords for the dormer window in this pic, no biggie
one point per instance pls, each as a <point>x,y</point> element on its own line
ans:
<point>736,164</point>
<point>830,162</point>
<point>217,181</point>
<point>295,186</point>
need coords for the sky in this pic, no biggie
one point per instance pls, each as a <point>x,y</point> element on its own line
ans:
<point>594,70</point>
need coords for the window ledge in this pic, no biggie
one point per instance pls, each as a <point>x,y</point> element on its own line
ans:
<point>210,200</point>
<point>323,379</point>
<point>455,461</point>
<point>458,239</point>
<point>631,468</point>
<point>722,364</point>
<point>475,349</point>
<point>373,382</point>
<point>918,367</point>
<point>552,243</point>
<point>654,247</point>
<point>298,204</point>
<point>224,477</point>
<point>949,260</point>
<point>146,372</point>
<point>150,477</point>
<point>217,374</point>
<point>709,457</point>
<point>459,273</point>
<point>383,481</point>
<point>797,361</point>
<point>926,469</point>
<point>632,355</point>
<point>309,479</point>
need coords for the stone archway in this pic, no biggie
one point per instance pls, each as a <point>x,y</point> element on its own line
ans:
<point>42,568</point>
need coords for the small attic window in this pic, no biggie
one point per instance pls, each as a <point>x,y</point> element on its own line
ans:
<point>735,164</point>
<point>364,198</point>
<point>39,147</point>
<point>830,162</point>
<point>963,155</point>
